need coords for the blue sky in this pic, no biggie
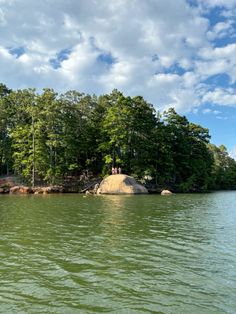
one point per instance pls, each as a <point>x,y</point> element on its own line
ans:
<point>175,53</point>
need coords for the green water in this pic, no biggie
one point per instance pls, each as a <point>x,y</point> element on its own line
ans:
<point>118,254</point>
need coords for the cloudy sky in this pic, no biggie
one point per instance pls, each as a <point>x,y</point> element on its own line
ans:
<point>175,53</point>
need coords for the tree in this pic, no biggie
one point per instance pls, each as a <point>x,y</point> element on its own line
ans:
<point>224,169</point>
<point>77,137</point>
<point>47,137</point>
<point>5,141</point>
<point>128,127</point>
<point>22,132</point>
<point>191,160</point>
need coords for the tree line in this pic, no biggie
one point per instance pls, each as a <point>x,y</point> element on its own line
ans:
<point>49,137</point>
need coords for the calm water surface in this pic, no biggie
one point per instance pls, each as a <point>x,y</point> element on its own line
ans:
<point>118,254</point>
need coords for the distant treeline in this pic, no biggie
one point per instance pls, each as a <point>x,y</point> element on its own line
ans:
<point>48,137</point>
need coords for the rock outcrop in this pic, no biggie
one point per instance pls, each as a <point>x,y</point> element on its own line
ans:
<point>48,189</point>
<point>121,184</point>
<point>37,190</point>
<point>166,192</point>
<point>20,190</point>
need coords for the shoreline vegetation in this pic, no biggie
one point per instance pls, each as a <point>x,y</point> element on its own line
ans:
<point>69,142</point>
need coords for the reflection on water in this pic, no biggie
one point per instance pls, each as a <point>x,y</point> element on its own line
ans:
<point>121,254</point>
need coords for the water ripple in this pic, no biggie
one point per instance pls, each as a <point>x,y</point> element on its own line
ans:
<point>118,254</point>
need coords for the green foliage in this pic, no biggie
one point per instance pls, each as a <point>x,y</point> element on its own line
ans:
<point>190,162</point>
<point>127,129</point>
<point>47,137</point>
<point>224,168</point>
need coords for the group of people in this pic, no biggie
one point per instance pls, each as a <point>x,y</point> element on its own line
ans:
<point>115,170</point>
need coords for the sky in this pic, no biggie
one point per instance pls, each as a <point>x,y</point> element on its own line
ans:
<point>174,53</point>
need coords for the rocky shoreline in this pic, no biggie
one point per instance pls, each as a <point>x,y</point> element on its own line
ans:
<point>20,189</point>
<point>114,184</point>
<point>13,185</point>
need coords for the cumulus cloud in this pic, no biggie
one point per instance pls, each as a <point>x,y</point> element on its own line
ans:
<point>222,29</point>
<point>152,48</point>
<point>218,3</point>
<point>221,96</point>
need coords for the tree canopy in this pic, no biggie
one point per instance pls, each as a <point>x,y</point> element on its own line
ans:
<point>47,137</point>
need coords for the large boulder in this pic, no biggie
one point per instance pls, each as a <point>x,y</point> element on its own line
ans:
<point>121,184</point>
<point>166,192</point>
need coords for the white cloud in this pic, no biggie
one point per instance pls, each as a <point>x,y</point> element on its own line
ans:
<point>156,48</point>
<point>221,118</point>
<point>210,111</point>
<point>221,96</point>
<point>233,152</point>
<point>222,29</point>
<point>220,3</point>
<point>2,17</point>
<point>227,51</point>
<point>220,60</point>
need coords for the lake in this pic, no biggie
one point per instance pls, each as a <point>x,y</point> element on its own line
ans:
<point>118,254</point>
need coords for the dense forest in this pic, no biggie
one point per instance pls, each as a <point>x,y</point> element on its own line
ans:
<point>47,137</point>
